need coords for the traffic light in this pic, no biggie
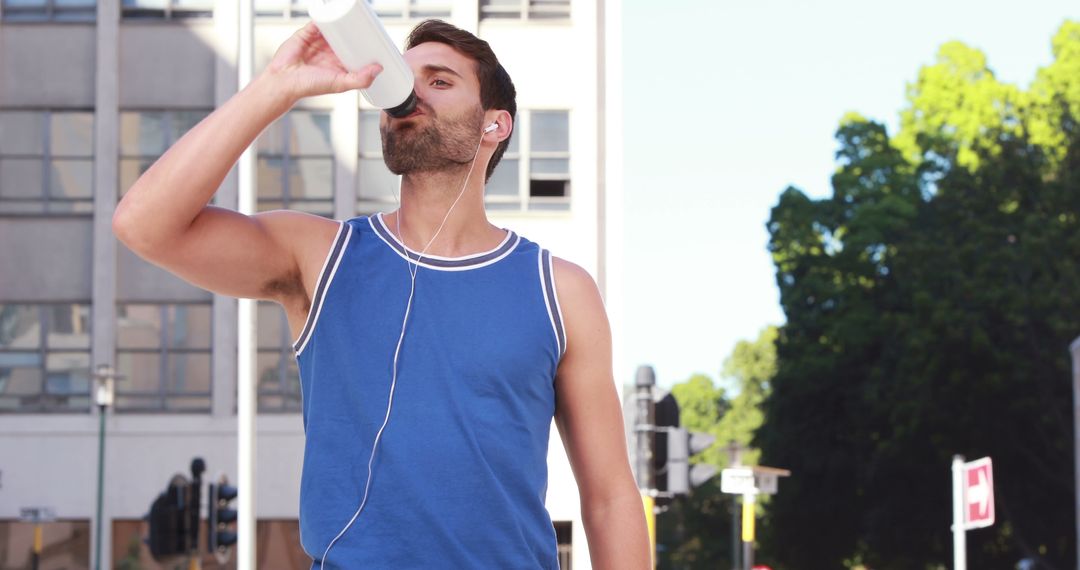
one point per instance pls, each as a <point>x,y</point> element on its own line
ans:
<point>674,446</point>
<point>168,518</point>
<point>221,537</point>
<point>681,445</point>
<point>665,418</point>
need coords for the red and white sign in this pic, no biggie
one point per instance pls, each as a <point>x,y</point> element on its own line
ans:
<point>978,493</point>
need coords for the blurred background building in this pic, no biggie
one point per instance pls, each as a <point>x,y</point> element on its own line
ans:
<point>91,93</point>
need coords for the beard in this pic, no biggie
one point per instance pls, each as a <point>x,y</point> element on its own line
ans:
<point>439,145</point>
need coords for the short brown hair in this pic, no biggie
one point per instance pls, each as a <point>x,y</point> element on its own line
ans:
<point>496,89</point>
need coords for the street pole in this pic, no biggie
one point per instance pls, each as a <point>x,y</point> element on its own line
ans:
<point>644,382</point>
<point>198,467</point>
<point>644,429</point>
<point>735,451</point>
<point>246,322</point>
<point>959,536</point>
<point>1074,349</point>
<point>35,558</point>
<point>103,396</point>
<point>748,530</point>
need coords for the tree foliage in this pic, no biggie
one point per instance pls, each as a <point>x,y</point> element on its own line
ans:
<point>930,303</point>
<point>696,530</point>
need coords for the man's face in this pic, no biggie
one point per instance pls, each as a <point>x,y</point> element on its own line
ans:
<point>444,131</point>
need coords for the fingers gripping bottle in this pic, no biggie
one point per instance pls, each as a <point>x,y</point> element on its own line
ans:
<point>358,38</point>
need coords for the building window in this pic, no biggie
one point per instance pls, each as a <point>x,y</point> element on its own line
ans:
<point>163,357</point>
<point>46,162</point>
<point>296,164</point>
<point>411,9</point>
<point>387,9</point>
<point>525,9</point>
<point>146,135</point>
<point>44,358</point>
<point>49,10</point>
<point>167,9</point>
<point>279,376</point>
<point>377,186</point>
<point>534,173</point>
<point>64,544</point>
<point>287,9</point>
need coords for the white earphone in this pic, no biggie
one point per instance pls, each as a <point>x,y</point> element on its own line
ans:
<point>413,267</point>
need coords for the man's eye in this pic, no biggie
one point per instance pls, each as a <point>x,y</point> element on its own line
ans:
<point>439,83</point>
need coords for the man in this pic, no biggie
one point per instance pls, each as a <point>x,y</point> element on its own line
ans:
<point>434,347</point>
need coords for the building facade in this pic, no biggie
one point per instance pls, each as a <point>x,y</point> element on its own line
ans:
<point>91,93</point>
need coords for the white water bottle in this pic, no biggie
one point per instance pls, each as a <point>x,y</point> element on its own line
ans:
<point>358,38</point>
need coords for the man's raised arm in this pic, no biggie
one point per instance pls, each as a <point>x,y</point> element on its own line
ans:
<point>165,217</point>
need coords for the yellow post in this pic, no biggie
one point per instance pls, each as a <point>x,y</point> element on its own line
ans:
<point>748,518</point>
<point>37,539</point>
<point>650,520</point>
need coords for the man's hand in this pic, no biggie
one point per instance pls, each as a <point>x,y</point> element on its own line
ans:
<point>306,66</point>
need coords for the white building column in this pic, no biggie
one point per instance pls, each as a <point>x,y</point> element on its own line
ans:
<point>106,188</point>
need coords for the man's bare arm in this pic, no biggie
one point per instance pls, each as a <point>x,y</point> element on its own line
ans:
<point>590,422</point>
<point>165,217</point>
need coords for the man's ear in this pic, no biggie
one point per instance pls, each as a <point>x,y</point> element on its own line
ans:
<point>503,125</point>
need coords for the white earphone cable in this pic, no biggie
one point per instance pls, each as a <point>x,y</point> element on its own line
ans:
<point>413,268</point>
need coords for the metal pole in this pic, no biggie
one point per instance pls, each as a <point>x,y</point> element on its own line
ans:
<point>959,534</point>
<point>734,451</point>
<point>1074,349</point>
<point>644,427</point>
<point>35,558</point>
<point>103,396</point>
<point>246,316</point>
<point>736,560</point>
<point>100,487</point>
<point>646,414</point>
<point>748,531</point>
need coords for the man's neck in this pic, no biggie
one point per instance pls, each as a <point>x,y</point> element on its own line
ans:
<point>425,200</point>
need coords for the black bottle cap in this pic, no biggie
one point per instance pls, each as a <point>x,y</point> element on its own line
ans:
<point>405,109</point>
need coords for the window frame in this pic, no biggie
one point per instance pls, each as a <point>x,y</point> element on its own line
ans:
<point>528,11</point>
<point>169,12</point>
<point>47,158</point>
<point>410,11</point>
<point>525,201</point>
<point>365,205</point>
<point>49,12</point>
<point>167,117</point>
<point>43,351</point>
<point>282,348</point>
<point>288,159</point>
<point>163,350</point>
<point>291,10</point>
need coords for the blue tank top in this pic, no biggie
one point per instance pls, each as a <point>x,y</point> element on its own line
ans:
<point>459,478</point>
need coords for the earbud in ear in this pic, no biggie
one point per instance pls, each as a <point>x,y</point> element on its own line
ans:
<point>491,127</point>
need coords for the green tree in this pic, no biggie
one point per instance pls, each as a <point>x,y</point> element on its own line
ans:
<point>930,302</point>
<point>696,530</point>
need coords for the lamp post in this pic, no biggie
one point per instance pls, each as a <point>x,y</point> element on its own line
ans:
<point>104,380</point>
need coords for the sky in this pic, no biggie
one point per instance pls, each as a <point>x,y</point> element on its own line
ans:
<point>728,103</point>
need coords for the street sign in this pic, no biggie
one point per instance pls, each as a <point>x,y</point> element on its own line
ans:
<point>978,479</point>
<point>766,482</point>
<point>737,481</point>
<point>37,515</point>
<point>755,480</point>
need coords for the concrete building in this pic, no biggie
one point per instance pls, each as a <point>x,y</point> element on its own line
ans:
<point>91,93</point>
